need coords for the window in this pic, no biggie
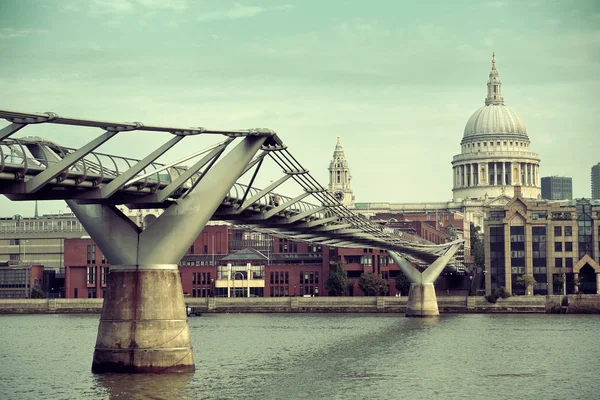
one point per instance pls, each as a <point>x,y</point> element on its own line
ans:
<point>75,293</point>
<point>568,231</point>
<point>558,231</point>
<point>91,293</point>
<point>568,246</point>
<point>91,275</point>
<point>105,271</point>
<point>557,246</point>
<point>569,262</point>
<point>558,262</point>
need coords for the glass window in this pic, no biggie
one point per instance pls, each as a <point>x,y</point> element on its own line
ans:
<point>568,246</point>
<point>557,246</point>
<point>569,262</point>
<point>568,231</point>
<point>558,262</point>
<point>91,275</point>
<point>558,231</point>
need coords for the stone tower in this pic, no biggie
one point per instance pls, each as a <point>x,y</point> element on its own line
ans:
<point>339,176</point>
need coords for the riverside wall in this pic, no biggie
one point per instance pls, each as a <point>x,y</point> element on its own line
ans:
<point>448,304</point>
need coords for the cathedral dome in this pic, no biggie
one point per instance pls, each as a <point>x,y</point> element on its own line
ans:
<point>495,119</point>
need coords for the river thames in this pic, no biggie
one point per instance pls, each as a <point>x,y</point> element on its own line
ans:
<point>320,356</point>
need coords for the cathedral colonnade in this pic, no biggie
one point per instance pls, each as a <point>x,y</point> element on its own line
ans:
<point>496,173</point>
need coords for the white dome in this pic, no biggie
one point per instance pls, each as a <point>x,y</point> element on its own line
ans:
<point>494,119</point>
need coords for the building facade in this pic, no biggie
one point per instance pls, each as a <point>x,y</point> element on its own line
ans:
<point>557,188</point>
<point>18,280</point>
<point>596,182</point>
<point>38,240</point>
<point>556,243</point>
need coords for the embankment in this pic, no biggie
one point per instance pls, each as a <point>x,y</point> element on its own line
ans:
<point>572,304</point>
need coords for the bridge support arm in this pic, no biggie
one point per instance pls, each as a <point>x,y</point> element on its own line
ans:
<point>422,300</point>
<point>411,273</point>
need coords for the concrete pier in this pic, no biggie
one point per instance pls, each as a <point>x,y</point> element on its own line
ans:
<point>422,301</point>
<point>143,327</point>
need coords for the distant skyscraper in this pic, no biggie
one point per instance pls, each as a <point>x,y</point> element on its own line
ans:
<point>557,188</point>
<point>596,181</point>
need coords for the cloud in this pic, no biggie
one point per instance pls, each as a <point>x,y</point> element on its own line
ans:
<point>239,11</point>
<point>495,4</point>
<point>12,33</point>
<point>120,7</point>
<point>100,7</point>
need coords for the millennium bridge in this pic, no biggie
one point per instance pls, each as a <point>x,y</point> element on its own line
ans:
<point>143,326</point>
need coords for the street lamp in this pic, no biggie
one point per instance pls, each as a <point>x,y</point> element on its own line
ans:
<point>471,285</point>
<point>24,242</point>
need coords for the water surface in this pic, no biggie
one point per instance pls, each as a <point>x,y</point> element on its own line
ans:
<point>320,356</point>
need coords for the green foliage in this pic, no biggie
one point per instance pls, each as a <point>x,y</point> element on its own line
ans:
<point>501,292</point>
<point>477,247</point>
<point>526,280</point>
<point>337,281</point>
<point>491,298</point>
<point>498,293</point>
<point>402,283</point>
<point>38,293</point>
<point>373,285</point>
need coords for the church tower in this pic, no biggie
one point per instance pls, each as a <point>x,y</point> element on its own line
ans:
<point>339,176</point>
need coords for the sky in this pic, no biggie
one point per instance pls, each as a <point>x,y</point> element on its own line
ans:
<point>395,80</point>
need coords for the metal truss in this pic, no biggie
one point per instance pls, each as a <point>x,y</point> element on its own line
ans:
<point>38,169</point>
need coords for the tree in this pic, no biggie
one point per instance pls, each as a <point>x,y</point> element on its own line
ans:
<point>527,281</point>
<point>337,281</point>
<point>477,247</point>
<point>402,283</point>
<point>372,284</point>
<point>38,293</point>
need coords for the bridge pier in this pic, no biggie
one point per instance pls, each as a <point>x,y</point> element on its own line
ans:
<point>143,327</point>
<point>422,301</point>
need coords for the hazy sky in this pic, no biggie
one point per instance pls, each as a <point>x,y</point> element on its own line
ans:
<point>396,80</point>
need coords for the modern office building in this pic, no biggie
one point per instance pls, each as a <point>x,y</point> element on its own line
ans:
<point>556,243</point>
<point>38,240</point>
<point>596,182</point>
<point>18,280</point>
<point>557,188</point>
